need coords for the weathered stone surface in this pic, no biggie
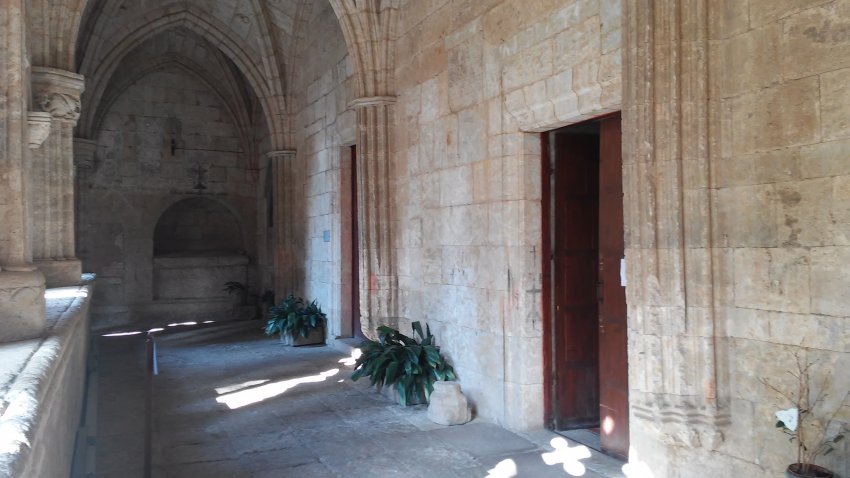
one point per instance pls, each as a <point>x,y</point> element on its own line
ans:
<point>736,178</point>
<point>42,383</point>
<point>447,404</point>
<point>38,123</point>
<point>21,305</point>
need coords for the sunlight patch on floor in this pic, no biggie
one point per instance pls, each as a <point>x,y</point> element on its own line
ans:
<point>122,334</point>
<point>239,386</point>
<point>264,392</point>
<point>636,468</point>
<point>504,469</point>
<point>569,458</point>
<point>350,361</point>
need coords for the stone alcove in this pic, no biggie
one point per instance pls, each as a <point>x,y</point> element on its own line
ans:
<point>197,248</point>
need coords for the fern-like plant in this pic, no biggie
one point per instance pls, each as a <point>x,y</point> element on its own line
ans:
<point>411,365</point>
<point>292,317</point>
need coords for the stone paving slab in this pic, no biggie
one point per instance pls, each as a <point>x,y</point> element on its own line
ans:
<point>483,439</point>
<point>293,412</point>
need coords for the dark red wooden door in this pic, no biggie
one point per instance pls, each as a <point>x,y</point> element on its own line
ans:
<point>613,360</point>
<point>357,330</point>
<point>575,252</point>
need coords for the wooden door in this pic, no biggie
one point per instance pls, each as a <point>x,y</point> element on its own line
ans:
<point>613,359</point>
<point>356,331</point>
<point>575,253</point>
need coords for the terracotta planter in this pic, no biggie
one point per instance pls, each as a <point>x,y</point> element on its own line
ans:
<point>316,337</point>
<point>813,471</point>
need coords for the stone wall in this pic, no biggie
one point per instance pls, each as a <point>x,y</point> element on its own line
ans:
<point>473,80</point>
<point>160,137</point>
<point>322,125</point>
<point>781,189</point>
<point>42,389</point>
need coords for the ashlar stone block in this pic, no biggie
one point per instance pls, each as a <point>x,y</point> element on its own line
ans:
<point>765,113</point>
<point>815,40</point>
<point>772,279</point>
<point>22,306</point>
<point>835,104</point>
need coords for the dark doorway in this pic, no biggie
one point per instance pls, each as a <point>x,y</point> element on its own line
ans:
<point>583,225</point>
<point>357,330</point>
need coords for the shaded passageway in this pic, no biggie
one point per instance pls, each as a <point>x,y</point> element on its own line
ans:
<point>229,402</point>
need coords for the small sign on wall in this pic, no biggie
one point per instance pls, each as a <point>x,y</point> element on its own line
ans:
<point>623,272</point>
<point>326,235</point>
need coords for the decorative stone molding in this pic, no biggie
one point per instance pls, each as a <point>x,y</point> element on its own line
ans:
<point>678,353</point>
<point>378,275</point>
<point>281,154</point>
<point>61,106</point>
<point>38,123</point>
<point>84,152</point>
<point>369,30</point>
<point>58,92</point>
<point>52,177</point>
<point>372,101</point>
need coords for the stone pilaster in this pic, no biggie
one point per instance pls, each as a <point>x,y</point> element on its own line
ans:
<point>378,275</point>
<point>286,264</point>
<point>52,177</point>
<point>677,349</point>
<point>22,310</point>
<point>84,155</point>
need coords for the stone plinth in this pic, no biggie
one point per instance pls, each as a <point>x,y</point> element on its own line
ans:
<point>41,386</point>
<point>21,305</point>
<point>60,271</point>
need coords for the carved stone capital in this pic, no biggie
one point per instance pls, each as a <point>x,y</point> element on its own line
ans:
<point>84,150</point>
<point>282,154</point>
<point>38,127</point>
<point>60,105</point>
<point>372,101</point>
<point>58,92</point>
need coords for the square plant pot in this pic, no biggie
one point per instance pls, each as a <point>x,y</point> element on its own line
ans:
<point>392,393</point>
<point>316,337</point>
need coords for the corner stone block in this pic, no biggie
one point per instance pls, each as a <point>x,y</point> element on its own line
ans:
<point>22,307</point>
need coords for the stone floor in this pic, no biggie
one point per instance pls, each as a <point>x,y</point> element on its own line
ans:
<point>231,403</point>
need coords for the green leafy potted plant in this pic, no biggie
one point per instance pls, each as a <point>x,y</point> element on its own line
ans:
<point>297,323</point>
<point>407,365</point>
<point>804,423</point>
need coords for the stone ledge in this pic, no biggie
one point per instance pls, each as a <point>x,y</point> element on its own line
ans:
<point>41,388</point>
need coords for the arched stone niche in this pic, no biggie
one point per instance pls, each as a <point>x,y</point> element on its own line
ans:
<point>197,248</point>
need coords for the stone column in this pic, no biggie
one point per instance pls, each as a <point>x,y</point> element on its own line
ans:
<point>378,275</point>
<point>677,347</point>
<point>22,311</point>
<point>52,194</point>
<point>84,152</point>
<point>285,261</point>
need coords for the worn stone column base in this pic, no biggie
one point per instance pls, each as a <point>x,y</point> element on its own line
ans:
<point>60,273</point>
<point>22,310</point>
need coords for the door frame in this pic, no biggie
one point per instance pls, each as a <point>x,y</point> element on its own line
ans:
<point>349,245</point>
<point>547,280</point>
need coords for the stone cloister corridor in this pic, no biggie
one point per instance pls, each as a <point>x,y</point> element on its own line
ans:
<point>626,222</point>
<point>294,412</point>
